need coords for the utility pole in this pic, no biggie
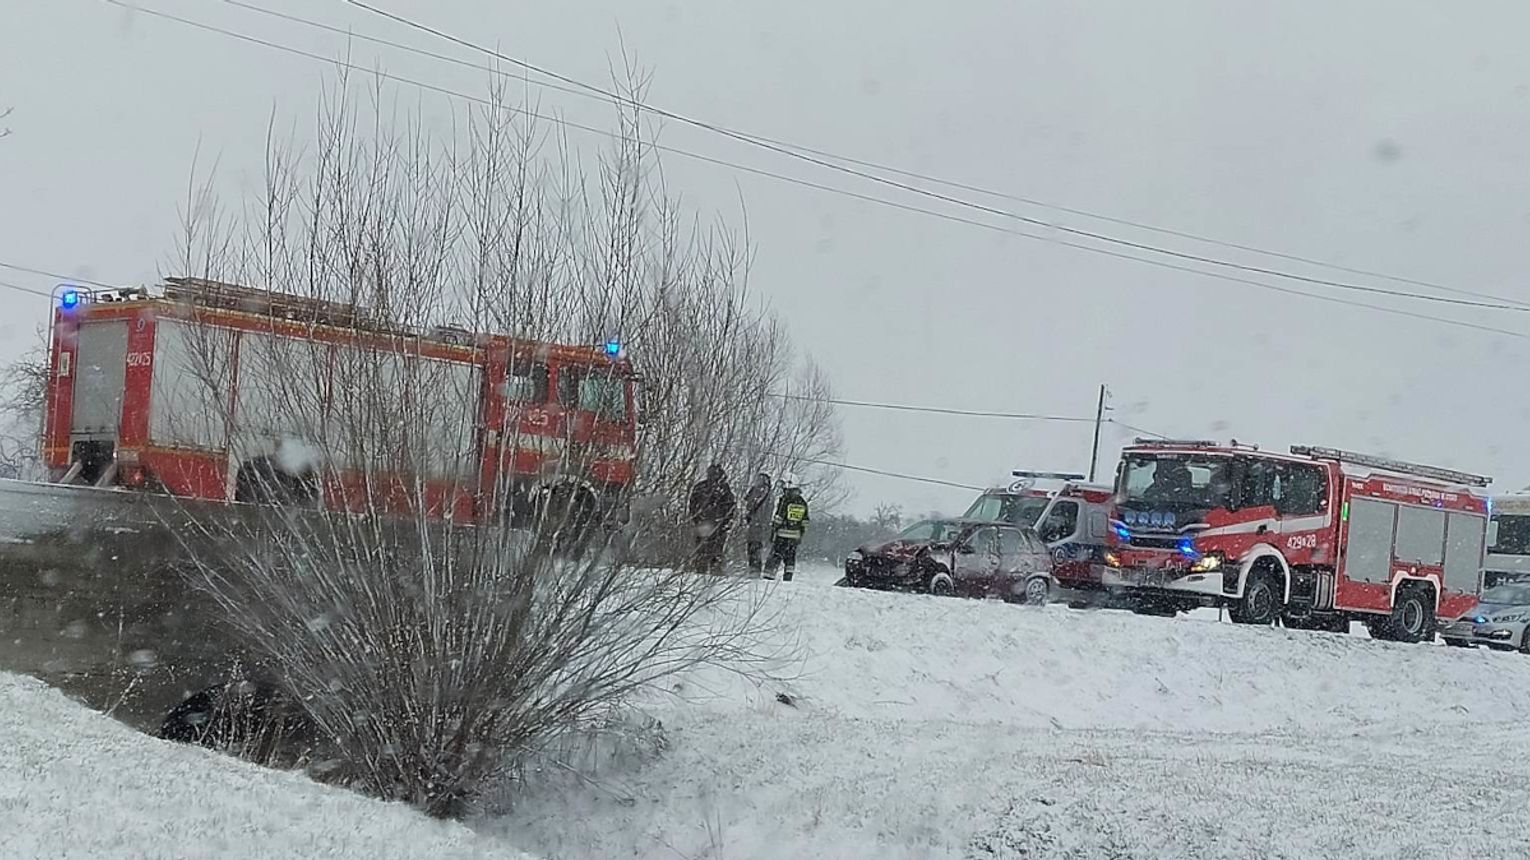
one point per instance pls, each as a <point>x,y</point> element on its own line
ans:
<point>1099,419</point>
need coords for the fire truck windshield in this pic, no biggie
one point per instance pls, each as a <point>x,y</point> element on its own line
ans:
<point>1177,480</point>
<point>1017,510</point>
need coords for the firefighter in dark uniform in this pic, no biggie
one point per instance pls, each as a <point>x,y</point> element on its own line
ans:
<point>790,523</point>
<point>712,506</point>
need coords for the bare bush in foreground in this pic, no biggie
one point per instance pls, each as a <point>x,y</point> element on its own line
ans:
<point>429,643</point>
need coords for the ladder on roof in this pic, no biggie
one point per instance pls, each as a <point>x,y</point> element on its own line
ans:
<point>1403,467</point>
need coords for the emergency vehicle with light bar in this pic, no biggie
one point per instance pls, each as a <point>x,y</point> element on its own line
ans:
<point>1317,537</point>
<point>172,391</point>
<point>1070,516</point>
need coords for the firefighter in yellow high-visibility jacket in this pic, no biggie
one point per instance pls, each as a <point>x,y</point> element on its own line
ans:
<point>790,522</point>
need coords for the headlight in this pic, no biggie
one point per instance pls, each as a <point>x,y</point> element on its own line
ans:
<point>1112,560</point>
<point>1211,561</point>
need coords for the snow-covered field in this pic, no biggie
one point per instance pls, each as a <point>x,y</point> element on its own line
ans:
<point>927,727</point>
<point>916,727</point>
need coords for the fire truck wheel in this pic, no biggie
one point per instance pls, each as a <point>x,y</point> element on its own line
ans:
<point>1412,617</point>
<point>1260,604</point>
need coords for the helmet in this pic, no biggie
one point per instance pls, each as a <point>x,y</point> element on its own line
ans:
<point>788,481</point>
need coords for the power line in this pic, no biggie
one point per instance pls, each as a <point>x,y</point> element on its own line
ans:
<point>924,177</point>
<point>821,187</point>
<point>56,276</point>
<point>937,410</point>
<point>20,289</point>
<point>882,472</point>
<point>800,153</point>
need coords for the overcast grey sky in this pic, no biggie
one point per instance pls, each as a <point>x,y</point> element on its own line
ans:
<point>1391,135</point>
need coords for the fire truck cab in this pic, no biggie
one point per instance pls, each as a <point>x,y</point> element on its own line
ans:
<point>1316,537</point>
<point>1070,516</point>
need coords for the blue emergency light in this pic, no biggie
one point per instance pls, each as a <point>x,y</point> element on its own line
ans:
<point>613,347</point>
<point>69,300</point>
<point>1187,547</point>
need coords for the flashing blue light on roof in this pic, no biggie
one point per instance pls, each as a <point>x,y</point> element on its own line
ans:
<point>69,300</point>
<point>613,347</point>
<point>1187,547</point>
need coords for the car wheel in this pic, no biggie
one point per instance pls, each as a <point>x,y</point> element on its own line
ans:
<point>1037,590</point>
<point>941,585</point>
<point>1524,641</point>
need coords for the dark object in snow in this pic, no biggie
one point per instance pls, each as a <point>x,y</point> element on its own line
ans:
<point>787,699</point>
<point>973,558</point>
<point>251,719</point>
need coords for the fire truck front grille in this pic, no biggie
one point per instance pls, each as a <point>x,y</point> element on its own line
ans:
<point>1155,541</point>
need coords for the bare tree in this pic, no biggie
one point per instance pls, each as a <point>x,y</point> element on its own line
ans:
<point>429,653</point>
<point>5,114</point>
<point>23,385</point>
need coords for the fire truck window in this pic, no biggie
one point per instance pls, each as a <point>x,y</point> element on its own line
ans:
<point>1062,522</point>
<point>1261,484</point>
<point>526,382</point>
<point>603,394</point>
<point>1303,489</point>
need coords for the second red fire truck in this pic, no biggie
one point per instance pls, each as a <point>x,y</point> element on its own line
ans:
<point>1316,538</point>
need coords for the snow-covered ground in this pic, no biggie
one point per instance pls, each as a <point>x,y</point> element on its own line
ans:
<point>913,727</point>
<point>74,783</point>
<point>925,727</point>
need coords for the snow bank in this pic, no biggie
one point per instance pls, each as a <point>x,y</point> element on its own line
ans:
<point>930,728</point>
<point>74,783</point>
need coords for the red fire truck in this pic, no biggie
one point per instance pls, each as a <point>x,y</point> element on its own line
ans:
<point>208,390</point>
<point>1317,537</point>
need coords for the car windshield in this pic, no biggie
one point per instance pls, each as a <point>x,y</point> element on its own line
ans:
<point>1007,508</point>
<point>932,531</point>
<point>1176,480</point>
<point>1510,594</point>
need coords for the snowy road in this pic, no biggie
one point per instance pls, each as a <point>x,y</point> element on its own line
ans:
<point>944,728</point>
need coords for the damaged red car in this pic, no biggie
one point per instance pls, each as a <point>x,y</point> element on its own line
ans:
<point>971,558</point>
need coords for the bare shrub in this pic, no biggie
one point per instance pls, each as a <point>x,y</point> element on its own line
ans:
<point>429,649</point>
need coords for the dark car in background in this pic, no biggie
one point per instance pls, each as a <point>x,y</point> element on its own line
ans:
<point>974,558</point>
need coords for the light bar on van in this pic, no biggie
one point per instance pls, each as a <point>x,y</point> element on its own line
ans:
<point>1448,475</point>
<point>1058,476</point>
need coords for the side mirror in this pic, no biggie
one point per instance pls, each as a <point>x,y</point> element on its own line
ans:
<point>1492,534</point>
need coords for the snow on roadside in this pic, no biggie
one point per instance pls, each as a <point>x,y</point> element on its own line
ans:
<point>75,783</point>
<point>925,727</point>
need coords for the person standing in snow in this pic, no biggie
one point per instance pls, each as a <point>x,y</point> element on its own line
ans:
<point>757,522</point>
<point>790,523</point>
<point>712,507</point>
